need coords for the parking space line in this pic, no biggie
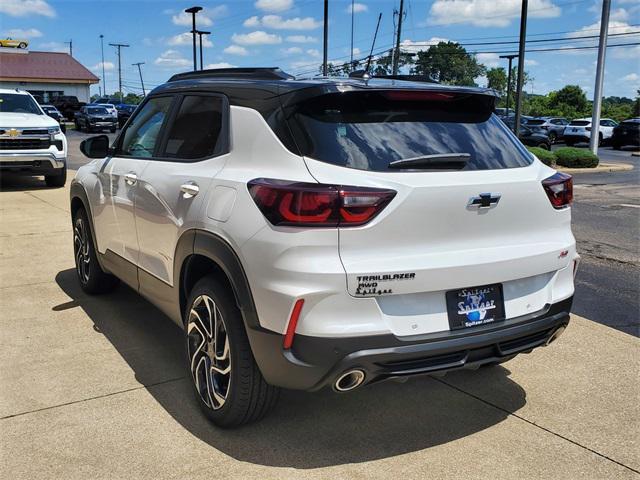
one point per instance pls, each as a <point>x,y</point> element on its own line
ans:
<point>513,414</point>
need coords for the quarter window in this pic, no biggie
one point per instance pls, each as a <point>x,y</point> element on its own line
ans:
<point>196,129</point>
<point>143,132</point>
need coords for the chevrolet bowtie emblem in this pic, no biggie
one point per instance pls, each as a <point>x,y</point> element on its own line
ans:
<point>484,200</point>
<point>13,132</point>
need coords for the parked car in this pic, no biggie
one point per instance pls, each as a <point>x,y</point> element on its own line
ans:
<point>310,234</point>
<point>113,111</point>
<point>529,136</point>
<point>13,42</point>
<point>31,143</point>
<point>124,112</point>
<point>626,133</point>
<point>68,105</point>
<point>55,114</point>
<point>579,130</point>
<point>552,126</point>
<point>92,118</point>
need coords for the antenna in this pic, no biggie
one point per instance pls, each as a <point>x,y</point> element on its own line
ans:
<point>373,44</point>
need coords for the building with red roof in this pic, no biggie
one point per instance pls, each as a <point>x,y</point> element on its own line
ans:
<point>45,74</point>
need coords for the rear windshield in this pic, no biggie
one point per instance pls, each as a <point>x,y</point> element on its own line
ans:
<point>368,130</point>
<point>97,111</point>
<point>580,123</point>
<point>535,122</point>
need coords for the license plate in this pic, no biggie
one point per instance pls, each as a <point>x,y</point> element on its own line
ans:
<point>574,130</point>
<point>470,307</point>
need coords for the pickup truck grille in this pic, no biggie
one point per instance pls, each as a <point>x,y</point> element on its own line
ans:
<point>24,143</point>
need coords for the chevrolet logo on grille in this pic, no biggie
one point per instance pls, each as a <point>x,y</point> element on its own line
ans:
<point>12,132</point>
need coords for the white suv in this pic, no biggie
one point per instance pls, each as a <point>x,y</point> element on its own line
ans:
<point>31,142</point>
<point>579,130</point>
<point>326,232</point>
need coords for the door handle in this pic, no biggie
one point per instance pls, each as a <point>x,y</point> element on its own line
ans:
<point>131,178</point>
<point>189,190</point>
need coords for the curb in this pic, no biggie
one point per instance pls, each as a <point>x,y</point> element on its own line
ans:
<point>602,167</point>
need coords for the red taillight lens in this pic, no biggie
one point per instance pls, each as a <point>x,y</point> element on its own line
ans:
<point>559,189</point>
<point>316,205</point>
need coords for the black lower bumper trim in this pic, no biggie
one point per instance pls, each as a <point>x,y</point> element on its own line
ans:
<point>316,362</point>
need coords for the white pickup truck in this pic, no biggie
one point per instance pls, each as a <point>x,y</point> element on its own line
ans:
<point>31,142</point>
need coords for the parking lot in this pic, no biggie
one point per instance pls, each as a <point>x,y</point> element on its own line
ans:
<point>94,387</point>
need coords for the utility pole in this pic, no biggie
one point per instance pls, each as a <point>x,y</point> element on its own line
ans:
<point>396,57</point>
<point>193,11</point>
<point>139,64</point>
<point>70,43</point>
<point>523,36</point>
<point>510,57</point>
<point>352,14</point>
<point>200,34</point>
<point>325,48</point>
<point>597,94</point>
<point>104,80</point>
<point>119,46</point>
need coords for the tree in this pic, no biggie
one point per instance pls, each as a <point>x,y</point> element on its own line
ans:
<point>449,63</point>
<point>497,79</point>
<point>570,97</point>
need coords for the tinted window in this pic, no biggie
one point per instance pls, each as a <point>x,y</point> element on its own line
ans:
<point>16,103</point>
<point>143,132</point>
<point>368,130</point>
<point>536,122</point>
<point>97,111</point>
<point>195,131</point>
<point>581,123</point>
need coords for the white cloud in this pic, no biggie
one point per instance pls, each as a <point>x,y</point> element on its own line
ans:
<point>357,8</point>
<point>54,47</point>
<point>485,13</point>
<point>292,51</point>
<point>618,15</point>
<point>301,39</point>
<point>356,51</point>
<point>530,63</point>
<point>203,18</point>
<point>172,59</point>
<point>312,52</point>
<point>108,66</point>
<point>409,46</point>
<point>187,39</point>
<point>594,29</point>
<point>252,22</point>
<point>488,59</point>
<point>274,5</point>
<point>632,77</point>
<point>219,65</point>
<point>258,37</point>
<point>22,8</point>
<point>631,53</point>
<point>276,22</point>
<point>21,33</point>
<point>236,50</point>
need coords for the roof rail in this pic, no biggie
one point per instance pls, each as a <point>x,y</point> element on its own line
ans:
<point>264,73</point>
<point>409,78</point>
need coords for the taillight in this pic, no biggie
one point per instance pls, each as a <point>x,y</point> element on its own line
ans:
<point>559,189</point>
<point>588,128</point>
<point>299,204</point>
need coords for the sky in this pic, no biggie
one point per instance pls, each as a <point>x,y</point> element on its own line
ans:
<point>288,34</point>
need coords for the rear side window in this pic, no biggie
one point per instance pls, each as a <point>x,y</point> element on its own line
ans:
<point>142,134</point>
<point>196,130</point>
<point>580,123</point>
<point>369,130</point>
<point>536,122</point>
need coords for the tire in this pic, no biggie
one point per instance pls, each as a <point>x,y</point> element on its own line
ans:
<point>616,146</point>
<point>553,137</point>
<point>600,140</point>
<point>92,278</point>
<point>58,180</point>
<point>544,146</point>
<point>22,45</point>
<point>569,143</point>
<point>235,393</point>
<point>77,125</point>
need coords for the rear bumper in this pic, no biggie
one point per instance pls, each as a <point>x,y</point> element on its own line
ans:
<point>36,163</point>
<point>576,137</point>
<point>316,362</point>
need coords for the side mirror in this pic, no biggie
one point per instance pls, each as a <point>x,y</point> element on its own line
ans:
<point>95,147</point>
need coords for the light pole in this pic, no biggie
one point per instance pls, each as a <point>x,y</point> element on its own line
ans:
<point>139,64</point>
<point>104,80</point>
<point>597,94</point>
<point>325,41</point>
<point>510,57</point>
<point>200,34</point>
<point>523,36</point>
<point>193,11</point>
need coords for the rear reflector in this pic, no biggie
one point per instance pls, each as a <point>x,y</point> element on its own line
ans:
<point>559,189</point>
<point>316,205</point>
<point>293,323</point>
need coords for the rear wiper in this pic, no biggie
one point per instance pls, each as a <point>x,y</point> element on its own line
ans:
<point>453,161</point>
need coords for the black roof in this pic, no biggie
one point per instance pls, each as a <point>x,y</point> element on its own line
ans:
<point>256,84</point>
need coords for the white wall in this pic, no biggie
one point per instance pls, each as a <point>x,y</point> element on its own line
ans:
<point>77,89</point>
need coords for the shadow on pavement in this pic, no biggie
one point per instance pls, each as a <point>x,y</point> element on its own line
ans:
<point>305,430</point>
<point>12,182</point>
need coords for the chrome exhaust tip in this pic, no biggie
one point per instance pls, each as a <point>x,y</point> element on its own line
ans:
<point>349,380</point>
<point>555,335</point>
